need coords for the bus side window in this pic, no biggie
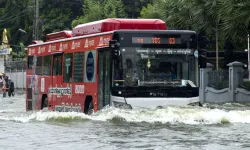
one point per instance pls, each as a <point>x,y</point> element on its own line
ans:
<point>46,65</point>
<point>39,65</point>
<point>78,66</point>
<point>54,66</point>
<point>57,65</point>
<point>67,73</point>
<point>30,62</point>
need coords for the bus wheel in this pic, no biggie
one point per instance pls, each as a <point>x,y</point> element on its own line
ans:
<point>91,108</point>
<point>44,102</point>
<point>88,105</point>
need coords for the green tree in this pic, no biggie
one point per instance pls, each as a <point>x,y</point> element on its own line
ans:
<point>94,10</point>
<point>236,19</point>
<point>149,12</point>
<point>114,9</point>
<point>220,19</point>
<point>57,15</point>
<point>15,15</point>
<point>19,52</point>
<point>181,14</point>
<point>132,8</point>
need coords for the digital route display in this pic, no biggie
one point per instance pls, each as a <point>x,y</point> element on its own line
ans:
<point>165,51</point>
<point>156,40</point>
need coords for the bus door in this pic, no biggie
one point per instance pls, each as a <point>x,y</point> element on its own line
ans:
<point>57,79</point>
<point>104,77</point>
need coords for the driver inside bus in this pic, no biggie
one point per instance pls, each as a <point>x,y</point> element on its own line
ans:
<point>131,76</point>
<point>167,72</point>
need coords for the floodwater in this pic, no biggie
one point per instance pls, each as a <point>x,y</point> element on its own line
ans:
<point>215,127</point>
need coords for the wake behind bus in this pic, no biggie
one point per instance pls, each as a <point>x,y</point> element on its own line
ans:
<point>128,63</point>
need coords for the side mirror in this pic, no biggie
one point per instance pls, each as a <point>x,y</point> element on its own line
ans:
<point>202,58</point>
<point>114,46</point>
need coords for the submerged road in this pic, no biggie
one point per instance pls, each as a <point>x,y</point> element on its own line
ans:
<point>209,127</point>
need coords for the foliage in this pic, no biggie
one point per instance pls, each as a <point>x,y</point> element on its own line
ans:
<point>236,19</point>
<point>114,9</point>
<point>20,53</point>
<point>230,18</point>
<point>15,15</point>
<point>149,12</point>
<point>246,85</point>
<point>220,85</point>
<point>94,10</point>
<point>57,15</point>
<point>132,8</point>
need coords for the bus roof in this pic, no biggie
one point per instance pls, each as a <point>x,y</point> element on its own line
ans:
<point>112,24</point>
<point>111,32</point>
<point>104,26</point>
<point>107,25</point>
<point>68,39</point>
<point>58,35</point>
<point>159,31</point>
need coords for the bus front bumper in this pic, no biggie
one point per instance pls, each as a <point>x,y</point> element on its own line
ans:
<point>151,103</point>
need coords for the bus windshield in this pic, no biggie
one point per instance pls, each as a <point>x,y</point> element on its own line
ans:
<point>155,67</point>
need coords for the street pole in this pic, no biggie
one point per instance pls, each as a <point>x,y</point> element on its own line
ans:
<point>217,47</point>
<point>248,54</point>
<point>217,38</point>
<point>36,20</point>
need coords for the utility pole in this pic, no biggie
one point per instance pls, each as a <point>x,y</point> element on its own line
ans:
<point>248,53</point>
<point>217,39</point>
<point>217,47</point>
<point>36,20</point>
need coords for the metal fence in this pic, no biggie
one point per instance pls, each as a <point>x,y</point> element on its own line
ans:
<point>246,83</point>
<point>15,65</point>
<point>243,75</point>
<point>218,79</point>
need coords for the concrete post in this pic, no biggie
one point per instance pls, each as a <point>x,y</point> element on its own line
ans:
<point>235,78</point>
<point>16,78</point>
<point>23,79</point>
<point>204,81</point>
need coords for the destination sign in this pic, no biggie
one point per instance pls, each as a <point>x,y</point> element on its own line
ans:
<point>165,51</point>
<point>156,40</point>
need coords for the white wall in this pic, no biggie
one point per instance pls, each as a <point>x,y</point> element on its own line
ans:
<point>1,65</point>
<point>19,78</point>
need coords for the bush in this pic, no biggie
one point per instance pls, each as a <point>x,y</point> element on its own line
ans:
<point>246,85</point>
<point>219,85</point>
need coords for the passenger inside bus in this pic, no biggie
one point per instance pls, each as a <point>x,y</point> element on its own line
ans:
<point>132,73</point>
<point>167,71</point>
<point>150,67</point>
<point>139,70</point>
<point>160,71</point>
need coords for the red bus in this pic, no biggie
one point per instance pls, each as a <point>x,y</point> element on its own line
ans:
<point>125,63</point>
